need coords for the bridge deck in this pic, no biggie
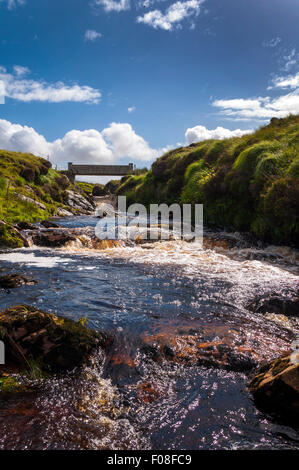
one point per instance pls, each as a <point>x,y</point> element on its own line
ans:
<point>99,170</point>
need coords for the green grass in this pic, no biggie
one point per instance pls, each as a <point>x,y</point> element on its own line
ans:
<point>27,175</point>
<point>249,183</point>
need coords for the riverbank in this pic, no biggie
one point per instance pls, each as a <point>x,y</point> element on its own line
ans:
<point>247,184</point>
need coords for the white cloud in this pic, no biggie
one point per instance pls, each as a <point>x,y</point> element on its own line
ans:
<point>82,147</point>
<point>126,143</point>
<point>27,90</point>
<point>173,16</point>
<point>200,133</point>
<point>22,138</point>
<point>291,81</point>
<point>13,3</point>
<point>272,42</point>
<point>20,71</point>
<point>132,109</point>
<point>117,141</point>
<point>91,35</point>
<point>260,108</point>
<point>113,5</point>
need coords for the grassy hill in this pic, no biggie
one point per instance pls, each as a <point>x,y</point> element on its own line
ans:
<point>249,183</point>
<point>30,190</point>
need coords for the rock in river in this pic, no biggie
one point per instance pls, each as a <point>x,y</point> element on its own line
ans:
<point>52,238</point>
<point>49,224</point>
<point>55,342</point>
<point>11,281</point>
<point>273,303</point>
<point>275,387</point>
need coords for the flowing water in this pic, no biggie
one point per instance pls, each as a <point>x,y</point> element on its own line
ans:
<point>181,350</point>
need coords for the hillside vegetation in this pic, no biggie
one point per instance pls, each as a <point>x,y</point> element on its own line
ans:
<point>31,191</point>
<point>249,183</point>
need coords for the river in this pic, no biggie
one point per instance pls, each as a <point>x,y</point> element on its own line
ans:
<point>139,394</point>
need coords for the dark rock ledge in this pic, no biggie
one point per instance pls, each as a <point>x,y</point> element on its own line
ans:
<point>43,342</point>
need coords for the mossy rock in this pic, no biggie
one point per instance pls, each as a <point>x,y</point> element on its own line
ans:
<point>10,386</point>
<point>275,388</point>
<point>9,237</point>
<point>56,343</point>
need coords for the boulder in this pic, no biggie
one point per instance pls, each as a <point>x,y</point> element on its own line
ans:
<point>79,202</point>
<point>112,186</point>
<point>275,387</point>
<point>98,190</point>
<point>52,238</point>
<point>56,343</point>
<point>63,181</point>
<point>63,213</point>
<point>12,281</point>
<point>273,303</point>
<point>49,224</point>
<point>24,226</point>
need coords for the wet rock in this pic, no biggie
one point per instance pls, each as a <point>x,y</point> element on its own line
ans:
<point>275,387</point>
<point>11,281</point>
<point>218,346</point>
<point>57,343</point>
<point>53,238</point>
<point>273,303</point>
<point>63,212</point>
<point>104,244</point>
<point>147,393</point>
<point>79,202</point>
<point>49,224</point>
<point>25,226</point>
<point>101,215</point>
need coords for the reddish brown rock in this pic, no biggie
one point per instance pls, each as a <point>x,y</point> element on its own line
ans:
<point>275,387</point>
<point>53,238</point>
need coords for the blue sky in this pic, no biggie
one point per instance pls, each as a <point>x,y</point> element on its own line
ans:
<point>123,80</point>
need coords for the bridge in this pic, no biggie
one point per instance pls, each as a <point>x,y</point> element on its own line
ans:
<point>98,170</point>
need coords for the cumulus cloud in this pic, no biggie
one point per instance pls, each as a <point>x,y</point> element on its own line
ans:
<point>132,109</point>
<point>27,90</point>
<point>200,133</point>
<point>126,143</point>
<point>22,138</point>
<point>260,108</point>
<point>117,141</point>
<point>113,5</point>
<point>82,147</point>
<point>173,16</point>
<point>92,35</point>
